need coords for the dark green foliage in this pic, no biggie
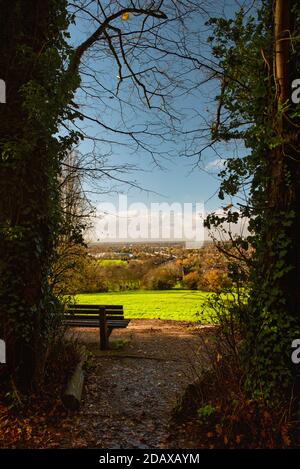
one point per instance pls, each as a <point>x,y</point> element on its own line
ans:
<point>250,113</point>
<point>39,92</point>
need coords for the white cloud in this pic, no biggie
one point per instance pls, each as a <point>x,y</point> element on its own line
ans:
<point>165,222</point>
<point>216,165</point>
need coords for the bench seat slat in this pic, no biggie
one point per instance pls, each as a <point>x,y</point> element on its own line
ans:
<point>94,308</point>
<point>113,324</point>
<point>89,312</point>
<point>94,320</point>
<point>92,315</point>
<point>93,311</point>
<point>95,317</point>
<point>88,306</point>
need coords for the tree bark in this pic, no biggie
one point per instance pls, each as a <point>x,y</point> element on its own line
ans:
<point>25,240</point>
<point>286,194</point>
<point>282,33</point>
<point>283,192</point>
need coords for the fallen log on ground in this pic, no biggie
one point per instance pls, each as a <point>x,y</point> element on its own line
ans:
<point>72,396</point>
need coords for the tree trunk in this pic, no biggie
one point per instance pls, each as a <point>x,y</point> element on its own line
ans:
<point>283,188</point>
<point>275,302</point>
<point>25,239</point>
<point>285,161</point>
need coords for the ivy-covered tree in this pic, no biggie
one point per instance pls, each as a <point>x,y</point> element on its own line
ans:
<point>259,55</point>
<point>46,79</point>
<point>32,54</point>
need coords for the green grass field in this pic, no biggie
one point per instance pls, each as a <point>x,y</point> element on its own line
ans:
<point>106,262</point>
<point>178,305</point>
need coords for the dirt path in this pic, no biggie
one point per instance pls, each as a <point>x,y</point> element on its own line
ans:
<point>130,393</point>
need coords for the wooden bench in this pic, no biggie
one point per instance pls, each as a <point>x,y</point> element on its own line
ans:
<point>106,317</point>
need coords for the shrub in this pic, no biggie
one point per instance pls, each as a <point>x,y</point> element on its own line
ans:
<point>214,280</point>
<point>92,280</point>
<point>191,280</point>
<point>163,277</point>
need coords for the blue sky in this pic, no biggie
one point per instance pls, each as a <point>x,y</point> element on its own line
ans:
<point>178,179</point>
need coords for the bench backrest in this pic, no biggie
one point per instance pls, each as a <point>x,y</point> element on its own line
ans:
<point>89,311</point>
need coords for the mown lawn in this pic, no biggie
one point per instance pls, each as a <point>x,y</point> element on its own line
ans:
<point>179,305</point>
<point>107,262</point>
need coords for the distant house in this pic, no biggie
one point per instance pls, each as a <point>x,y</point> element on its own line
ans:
<point>123,255</point>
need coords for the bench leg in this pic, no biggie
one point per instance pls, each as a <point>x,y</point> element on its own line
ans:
<point>103,329</point>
